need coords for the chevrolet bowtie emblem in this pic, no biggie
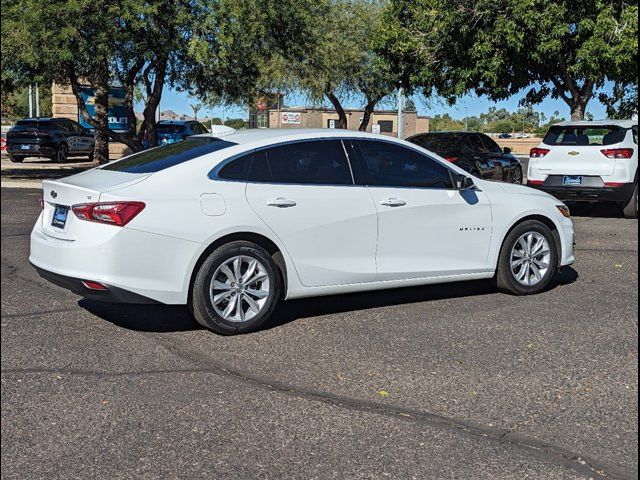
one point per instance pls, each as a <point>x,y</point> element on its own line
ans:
<point>53,194</point>
<point>574,153</point>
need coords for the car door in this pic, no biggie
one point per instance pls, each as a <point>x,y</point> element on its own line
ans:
<point>305,193</point>
<point>485,165</point>
<point>503,162</point>
<point>70,136</point>
<point>426,227</point>
<point>84,139</point>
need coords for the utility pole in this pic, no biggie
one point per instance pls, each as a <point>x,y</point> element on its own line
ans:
<point>466,118</point>
<point>30,102</point>
<point>37,101</point>
<point>400,108</point>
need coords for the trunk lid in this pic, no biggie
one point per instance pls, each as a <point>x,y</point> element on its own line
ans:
<point>85,187</point>
<point>577,160</point>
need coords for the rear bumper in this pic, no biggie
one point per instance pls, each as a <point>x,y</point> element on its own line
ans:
<point>36,150</point>
<point>75,285</point>
<point>618,194</point>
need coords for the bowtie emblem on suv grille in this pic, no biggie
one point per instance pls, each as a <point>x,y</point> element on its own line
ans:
<point>54,194</point>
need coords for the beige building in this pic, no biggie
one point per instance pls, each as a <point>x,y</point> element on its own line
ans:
<point>384,122</point>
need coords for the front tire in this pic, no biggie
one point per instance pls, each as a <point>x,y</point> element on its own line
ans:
<point>528,261</point>
<point>16,159</point>
<point>236,289</point>
<point>630,210</point>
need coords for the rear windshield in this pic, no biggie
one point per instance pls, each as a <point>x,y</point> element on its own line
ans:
<point>444,145</point>
<point>584,136</point>
<point>171,128</point>
<point>159,158</point>
<point>34,124</point>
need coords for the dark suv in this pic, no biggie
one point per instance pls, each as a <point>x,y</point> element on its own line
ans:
<point>476,153</point>
<point>54,138</point>
<point>170,131</point>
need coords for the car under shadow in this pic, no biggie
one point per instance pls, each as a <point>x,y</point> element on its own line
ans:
<point>177,318</point>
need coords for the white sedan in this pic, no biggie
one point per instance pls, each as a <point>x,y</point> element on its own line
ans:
<point>230,226</point>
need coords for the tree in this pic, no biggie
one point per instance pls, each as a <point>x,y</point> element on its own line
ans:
<point>564,49</point>
<point>15,104</point>
<point>195,108</point>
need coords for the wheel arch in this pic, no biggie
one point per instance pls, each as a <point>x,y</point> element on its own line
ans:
<point>555,230</point>
<point>257,238</point>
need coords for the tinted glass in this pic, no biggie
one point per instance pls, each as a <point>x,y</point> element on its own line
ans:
<point>34,124</point>
<point>475,143</point>
<point>160,158</point>
<point>445,145</point>
<point>489,144</point>
<point>635,135</point>
<point>170,128</point>
<point>395,166</point>
<point>584,136</point>
<point>237,169</point>
<point>386,126</point>
<point>321,162</point>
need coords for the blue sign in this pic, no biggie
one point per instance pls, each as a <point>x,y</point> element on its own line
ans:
<point>118,121</point>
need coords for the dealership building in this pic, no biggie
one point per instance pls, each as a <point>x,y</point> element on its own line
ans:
<point>384,122</point>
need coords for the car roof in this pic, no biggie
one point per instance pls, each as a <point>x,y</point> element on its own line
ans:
<point>175,122</point>
<point>276,135</point>
<point>599,123</point>
<point>42,119</point>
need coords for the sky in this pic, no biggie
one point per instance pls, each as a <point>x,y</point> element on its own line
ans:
<point>179,102</point>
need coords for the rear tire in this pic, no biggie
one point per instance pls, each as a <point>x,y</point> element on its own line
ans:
<point>62,153</point>
<point>236,289</point>
<point>517,176</point>
<point>630,210</point>
<point>528,261</point>
<point>16,159</point>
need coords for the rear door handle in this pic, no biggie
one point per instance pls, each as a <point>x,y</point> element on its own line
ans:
<point>393,202</point>
<point>281,203</point>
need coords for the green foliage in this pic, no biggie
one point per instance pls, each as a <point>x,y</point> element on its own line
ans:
<point>563,49</point>
<point>237,123</point>
<point>15,104</point>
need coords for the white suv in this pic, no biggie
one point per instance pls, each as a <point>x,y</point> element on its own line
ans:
<point>589,162</point>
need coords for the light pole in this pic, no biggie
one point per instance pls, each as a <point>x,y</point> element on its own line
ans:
<point>30,102</point>
<point>400,106</point>
<point>37,101</point>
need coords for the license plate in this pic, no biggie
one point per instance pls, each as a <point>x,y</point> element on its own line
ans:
<point>25,147</point>
<point>60,216</point>
<point>572,181</point>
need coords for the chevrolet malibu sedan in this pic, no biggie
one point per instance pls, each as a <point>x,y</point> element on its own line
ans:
<point>231,226</point>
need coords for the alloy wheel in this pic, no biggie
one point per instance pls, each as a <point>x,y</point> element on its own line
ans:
<point>530,258</point>
<point>239,288</point>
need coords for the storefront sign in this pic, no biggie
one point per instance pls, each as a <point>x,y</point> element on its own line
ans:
<point>291,118</point>
<point>118,121</point>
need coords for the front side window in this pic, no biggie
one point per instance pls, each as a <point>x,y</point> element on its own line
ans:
<point>585,136</point>
<point>320,162</point>
<point>160,158</point>
<point>396,166</point>
<point>489,144</point>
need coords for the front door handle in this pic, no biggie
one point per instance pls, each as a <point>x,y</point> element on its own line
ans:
<point>393,202</point>
<point>281,203</point>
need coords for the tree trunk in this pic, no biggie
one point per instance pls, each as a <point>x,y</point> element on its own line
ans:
<point>101,98</point>
<point>578,110</point>
<point>368,110</point>
<point>342,116</point>
<point>154,93</point>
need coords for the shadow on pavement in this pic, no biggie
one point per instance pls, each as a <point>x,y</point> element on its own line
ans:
<point>595,210</point>
<point>172,318</point>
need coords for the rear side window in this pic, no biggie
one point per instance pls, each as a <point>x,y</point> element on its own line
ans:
<point>320,162</point>
<point>396,166</point>
<point>170,128</point>
<point>160,158</point>
<point>236,169</point>
<point>444,145</point>
<point>585,136</point>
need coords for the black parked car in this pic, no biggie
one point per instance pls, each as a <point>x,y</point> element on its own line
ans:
<point>170,131</point>
<point>476,153</point>
<point>54,138</point>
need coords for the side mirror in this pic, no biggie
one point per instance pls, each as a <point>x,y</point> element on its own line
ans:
<point>465,183</point>
<point>507,150</point>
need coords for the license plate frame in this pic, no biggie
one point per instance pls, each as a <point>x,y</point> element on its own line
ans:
<point>60,214</point>
<point>572,181</point>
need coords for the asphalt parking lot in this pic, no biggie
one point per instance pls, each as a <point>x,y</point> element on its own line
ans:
<point>453,381</point>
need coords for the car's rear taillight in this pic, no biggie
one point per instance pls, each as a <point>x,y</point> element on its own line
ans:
<point>538,152</point>
<point>94,285</point>
<point>451,159</point>
<point>621,153</point>
<point>112,213</point>
<point>535,182</point>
